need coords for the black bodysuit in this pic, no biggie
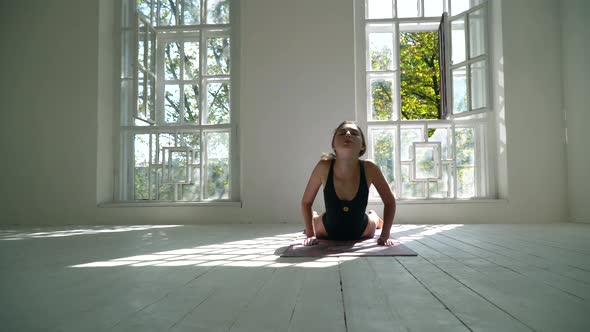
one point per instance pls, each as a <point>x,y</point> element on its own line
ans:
<point>345,220</point>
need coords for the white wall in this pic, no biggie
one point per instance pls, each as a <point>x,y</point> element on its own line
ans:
<point>296,85</point>
<point>575,43</point>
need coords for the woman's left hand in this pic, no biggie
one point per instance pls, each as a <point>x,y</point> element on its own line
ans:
<point>385,242</point>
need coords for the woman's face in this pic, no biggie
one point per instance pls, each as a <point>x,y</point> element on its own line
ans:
<point>348,141</point>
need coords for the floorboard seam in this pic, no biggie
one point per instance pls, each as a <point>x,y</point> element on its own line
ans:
<point>342,295</point>
<point>480,295</point>
<point>434,295</point>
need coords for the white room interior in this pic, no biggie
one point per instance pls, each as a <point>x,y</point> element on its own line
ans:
<point>296,60</point>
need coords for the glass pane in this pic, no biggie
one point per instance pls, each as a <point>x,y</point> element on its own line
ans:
<point>172,60</point>
<point>217,11</point>
<point>459,90</point>
<point>409,136</point>
<point>218,103</point>
<point>381,99</point>
<point>191,12</point>
<point>465,146</point>
<point>192,140</point>
<point>151,98</point>
<point>191,60</point>
<point>141,44</point>
<point>381,51</point>
<point>168,12</point>
<point>141,95</point>
<point>411,189</point>
<point>144,9</point>
<point>217,165</point>
<point>218,56</point>
<point>178,164</point>
<point>477,33</point>
<point>426,163</point>
<point>379,9</point>
<point>191,103</point>
<point>459,6</point>
<point>172,103</point>
<point>141,163</point>
<point>465,182</point>
<point>384,153</point>
<point>441,135</point>
<point>192,192</point>
<point>420,75</point>
<point>407,8</point>
<point>458,40</point>
<point>478,85</point>
<point>433,8</point>
<point>441,188</point>
<point>151,51</point>
<point>164,141</point>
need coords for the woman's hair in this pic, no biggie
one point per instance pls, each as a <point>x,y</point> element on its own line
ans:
<point>332,155</point>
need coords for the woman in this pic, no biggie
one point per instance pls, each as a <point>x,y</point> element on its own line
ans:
<point>346,180</point>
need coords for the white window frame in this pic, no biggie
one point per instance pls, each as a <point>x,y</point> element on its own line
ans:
<point>481,119</point>
<point>128,101</point>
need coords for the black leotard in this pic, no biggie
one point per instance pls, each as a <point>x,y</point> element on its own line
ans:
<point>345,220</point>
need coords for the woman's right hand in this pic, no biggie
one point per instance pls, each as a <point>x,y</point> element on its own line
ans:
<point>310,241</point>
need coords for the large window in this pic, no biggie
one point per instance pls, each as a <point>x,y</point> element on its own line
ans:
<point>177,119</point>
<point>423,77</point>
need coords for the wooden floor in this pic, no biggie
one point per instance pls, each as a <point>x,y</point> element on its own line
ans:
<point>230,278</point>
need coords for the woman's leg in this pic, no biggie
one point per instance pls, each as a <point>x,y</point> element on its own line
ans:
<point>374,223</point>
<point>318,225</point>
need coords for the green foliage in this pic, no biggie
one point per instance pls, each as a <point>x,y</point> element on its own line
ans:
<point>420,75</point>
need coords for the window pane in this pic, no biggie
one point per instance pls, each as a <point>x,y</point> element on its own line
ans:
<point>411,189</point>
<point>383,152</point>
<point>459,90</point>
<point>218,103</point>
<point>191,12</point>
<point>172,103</point>
<point>379,9</point>
<point>381,51</point>
<point>141,95</point>
<point>217,165</point>
<point>420,75</point>
<point>381,98</point>
<point>441,135</point>
<point>477,33</point>
<point>141,169</point>
<point>141,44</point>
<point>218,56</point>
<point>407,8</point>
<point>151,98</point>
<point>178,164</point>
<point>458,40</point>
<point>217,11</point>
<point>433,8</point>
<point>191,103</point>
<point>172,61</point>
<point>478,85</point>
<point>192,192</point>
<point>426,162</point>
<point>465,182</point>
<point>409,136</point>
<point>144,9</point>
<point>151,51</point>
<point>191,60</point>
<point>168,12</point>
<point>459,6</point>
<point>192,140</point>
<point>443,187</point>
<point>465,145</point>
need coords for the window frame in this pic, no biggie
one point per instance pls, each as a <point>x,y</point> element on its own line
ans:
<point>480,118</point>
<point>128,96</point>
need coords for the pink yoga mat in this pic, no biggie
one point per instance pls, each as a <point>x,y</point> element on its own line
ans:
<point>368,247</point>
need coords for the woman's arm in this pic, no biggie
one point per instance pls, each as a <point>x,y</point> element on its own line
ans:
<point>387,197</point>
<point>313,185</point>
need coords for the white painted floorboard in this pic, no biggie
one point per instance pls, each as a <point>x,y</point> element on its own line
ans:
<point>231,278</point>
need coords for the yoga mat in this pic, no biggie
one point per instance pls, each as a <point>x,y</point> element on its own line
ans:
<point>326,248</point>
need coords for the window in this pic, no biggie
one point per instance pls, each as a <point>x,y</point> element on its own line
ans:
<point>177,119</point>
<point>423,79</point>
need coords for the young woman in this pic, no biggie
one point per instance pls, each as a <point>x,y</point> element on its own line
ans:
<point>346,181</point>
